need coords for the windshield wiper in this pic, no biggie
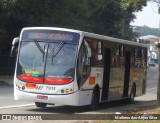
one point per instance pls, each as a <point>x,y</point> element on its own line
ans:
<point>56,51</point>
<point>39,47</point>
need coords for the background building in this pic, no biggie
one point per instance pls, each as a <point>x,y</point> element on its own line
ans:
<point>151,40</point>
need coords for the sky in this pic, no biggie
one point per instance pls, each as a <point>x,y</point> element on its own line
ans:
<point>148,16</point>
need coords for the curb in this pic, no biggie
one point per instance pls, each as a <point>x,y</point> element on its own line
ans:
<point>6,80</point>
<point>3,83</point>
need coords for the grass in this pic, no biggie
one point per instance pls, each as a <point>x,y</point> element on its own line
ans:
<point>150,110</point>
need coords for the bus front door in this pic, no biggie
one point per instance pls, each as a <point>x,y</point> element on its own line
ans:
<point>106,74</point>
<point>127,73</point>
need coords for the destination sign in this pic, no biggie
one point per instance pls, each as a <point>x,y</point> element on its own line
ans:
<point>55,35</point>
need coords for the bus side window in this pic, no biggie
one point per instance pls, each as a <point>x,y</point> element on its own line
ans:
<point>138,55</point>
<point>83,66</point>
<point>133,57</point>
<point>144,58</point>
<point>118,56</point>
<point>97,58</point>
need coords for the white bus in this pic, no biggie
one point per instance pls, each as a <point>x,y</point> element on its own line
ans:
<point>71,67</point>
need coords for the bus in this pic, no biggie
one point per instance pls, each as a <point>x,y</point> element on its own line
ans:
<point>77,68</point>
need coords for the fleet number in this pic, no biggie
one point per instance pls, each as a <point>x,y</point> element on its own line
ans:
<point>47,88</point>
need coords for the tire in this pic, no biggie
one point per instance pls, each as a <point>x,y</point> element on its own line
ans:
<point>132,94</point>
<point>40,105</point>
<point>95,100</point>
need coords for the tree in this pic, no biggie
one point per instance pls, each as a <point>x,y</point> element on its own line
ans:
<point>107,17</point>
<point>4,7</point>
<point>158,88</point>
<point>145,30</point>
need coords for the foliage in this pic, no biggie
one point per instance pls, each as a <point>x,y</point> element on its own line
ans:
<point>158,4</point>
<point>136,5</point>
<point>107,17</point>
<point>145,30</point>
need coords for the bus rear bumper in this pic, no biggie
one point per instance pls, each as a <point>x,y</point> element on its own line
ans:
<point>70,99</point>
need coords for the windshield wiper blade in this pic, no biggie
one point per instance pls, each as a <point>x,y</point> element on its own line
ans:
<point>56,51</point>
<point>39,47</point>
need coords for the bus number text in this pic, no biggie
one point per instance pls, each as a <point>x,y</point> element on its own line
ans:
<point>47,88</point>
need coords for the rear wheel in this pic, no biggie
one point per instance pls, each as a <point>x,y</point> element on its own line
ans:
<point>40,105</point>
<point>132,94</point>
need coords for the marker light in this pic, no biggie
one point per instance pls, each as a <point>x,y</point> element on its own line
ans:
<point>66,91</point>
<point>92,80</point>
<point>30,85</point>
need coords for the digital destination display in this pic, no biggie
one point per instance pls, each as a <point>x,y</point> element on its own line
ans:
<point>55,35</point>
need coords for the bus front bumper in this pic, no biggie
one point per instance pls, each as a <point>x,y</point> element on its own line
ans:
<point>69,99</point>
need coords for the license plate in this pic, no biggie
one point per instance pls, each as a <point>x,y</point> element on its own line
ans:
<point>42,97</point>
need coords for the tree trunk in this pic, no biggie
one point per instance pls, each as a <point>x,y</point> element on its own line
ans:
<point>158,87</point>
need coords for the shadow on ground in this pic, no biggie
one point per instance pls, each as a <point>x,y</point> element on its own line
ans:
<point>82,109</point>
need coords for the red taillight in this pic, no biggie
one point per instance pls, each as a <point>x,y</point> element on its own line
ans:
<point>57,80</point>
<point>30,78</point>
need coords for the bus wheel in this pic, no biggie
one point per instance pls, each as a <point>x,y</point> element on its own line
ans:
<point>40,105</point>
<point>132,94</point>
<point>95,100</point>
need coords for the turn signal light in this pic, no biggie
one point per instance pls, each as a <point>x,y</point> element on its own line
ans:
<point>30,85</point>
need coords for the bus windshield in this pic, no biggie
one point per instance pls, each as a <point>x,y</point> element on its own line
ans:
<point>50,62</point>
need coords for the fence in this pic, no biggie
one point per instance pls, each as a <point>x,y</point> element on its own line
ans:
<point>7,65</point>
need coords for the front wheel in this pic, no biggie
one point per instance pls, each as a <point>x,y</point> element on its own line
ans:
<point>95,100</point>
<point>40,105</point>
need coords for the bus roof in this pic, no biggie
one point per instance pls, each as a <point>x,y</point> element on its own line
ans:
<point>92,35</point>
<point>112,39</point>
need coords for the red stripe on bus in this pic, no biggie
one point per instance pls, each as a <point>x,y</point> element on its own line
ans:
<point>29,78</point>
<point>57,80</point>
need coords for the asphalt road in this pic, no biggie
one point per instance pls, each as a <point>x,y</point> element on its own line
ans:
<point>8,105</point>
<point>152,79</point>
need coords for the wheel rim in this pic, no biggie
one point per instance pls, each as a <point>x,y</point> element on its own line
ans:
<point>132,95</point>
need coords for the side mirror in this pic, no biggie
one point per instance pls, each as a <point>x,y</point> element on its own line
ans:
<point>14,47</point>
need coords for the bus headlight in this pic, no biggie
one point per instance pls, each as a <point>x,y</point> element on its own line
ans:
<point>65,91</point>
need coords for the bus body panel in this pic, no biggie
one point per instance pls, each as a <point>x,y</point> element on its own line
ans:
<point>96,77</point>
<point>87,89</point>
<point>116,83</point>
<point>138,76</point>
<point>44,88</point>
<point>69,99</point>
<point>85,97</point>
